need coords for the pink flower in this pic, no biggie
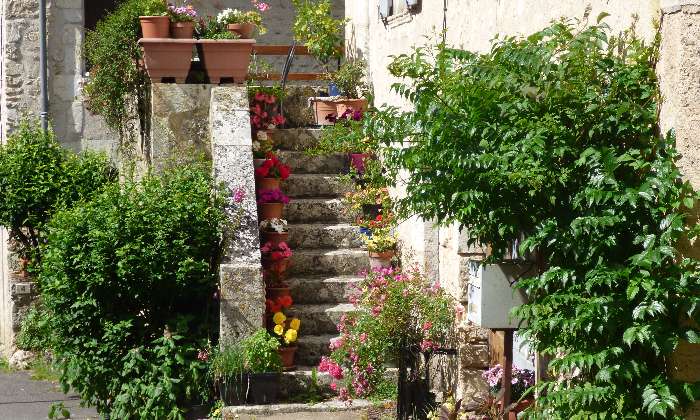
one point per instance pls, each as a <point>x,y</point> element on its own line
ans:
<point>426,345</point>
<point>427,325</point>
<point>336,343</point>
<point>334,386</point>
<point>239,195</point>
<point>363,337</point>
<point>203,355</point>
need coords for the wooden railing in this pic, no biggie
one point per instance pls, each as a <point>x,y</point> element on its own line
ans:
<point>283,50</point>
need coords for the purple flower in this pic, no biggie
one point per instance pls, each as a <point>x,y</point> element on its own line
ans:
<point>272,196</point>
<point>238,195</point>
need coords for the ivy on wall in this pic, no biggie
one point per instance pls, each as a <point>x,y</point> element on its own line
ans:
<point>554,137</point>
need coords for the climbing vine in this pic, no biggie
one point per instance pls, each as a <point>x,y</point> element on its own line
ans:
<point>554,138</point>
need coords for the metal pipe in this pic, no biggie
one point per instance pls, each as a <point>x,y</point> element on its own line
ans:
<point>43,77</point>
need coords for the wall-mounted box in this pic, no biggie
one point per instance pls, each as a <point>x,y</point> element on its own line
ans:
<point>490,296</point>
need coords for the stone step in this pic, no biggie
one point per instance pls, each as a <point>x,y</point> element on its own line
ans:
<point>296,139</point>
<point>310,210</point>
<point>301,163</point>
<point>346,261</point>
<point>315,185</point>
<point>327,410</point>
<point>310,348</point>
<point>321,289</point>
<point>320,235</point>
<point>319,319</point>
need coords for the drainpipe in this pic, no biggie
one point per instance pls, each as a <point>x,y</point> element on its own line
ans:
<point>44,115</point>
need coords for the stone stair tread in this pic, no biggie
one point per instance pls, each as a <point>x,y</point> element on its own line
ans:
<point>320,289</point>
<point>324,235</point>
<point>343,261</point>
<point>316,186</point>
<point>296,139</point>
<point>319,319</point>
<point>324,410</point>
<point>310,348</point>
<point>307,210</point>
<point>302,163</point>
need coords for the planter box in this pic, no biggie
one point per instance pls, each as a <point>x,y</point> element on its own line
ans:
<point>167,58</point>
<point>226,58</point>
<point>491,296</point>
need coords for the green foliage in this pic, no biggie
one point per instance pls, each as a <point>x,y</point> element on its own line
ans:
<point>129,278</point>
<point>38,177</point>
<point>58,411</point>
<point>227,362</point>
<point>555,137</point>
<point>346,136</point>
<point>260,350</point>
<point>315,27</point>
<point>350,79</point>
<point>117,86</point>
<point>36,333</point>
<point>154,8</point>
<point>45,368</point>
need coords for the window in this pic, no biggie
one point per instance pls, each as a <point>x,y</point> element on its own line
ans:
<point>95,10</point>
<point>389,8</point>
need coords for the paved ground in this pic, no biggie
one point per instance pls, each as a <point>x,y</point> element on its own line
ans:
<point>22,398</point>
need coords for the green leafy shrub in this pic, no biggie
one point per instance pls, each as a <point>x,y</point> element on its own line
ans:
<point>36,333</point>
<point>38,177</point>
<point>130,279</point>
<point>555,137</point>
<point>315,27</point>
<point>260,353</point>
<point>117,87</point>
<point>350,78</point>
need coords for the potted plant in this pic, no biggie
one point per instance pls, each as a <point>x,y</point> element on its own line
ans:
<point>350,81</point>
<point>317,29</point>
<point>274,231</point>
<point>223,54</point>
<point>276,304</point>
<point>264,366</point>
<point>287,332</point>
<point>244,23</point>
<point>271,173</point>
<point>264,111</point>
<point>271,203</point>
<point>381,247</point>
<point>227,370</point>
<point>523,380</point>
<point>182,20</point>
<point>155,22</point>
<point>367,203</point>
<point>276,260</point>
<point>262,146</point>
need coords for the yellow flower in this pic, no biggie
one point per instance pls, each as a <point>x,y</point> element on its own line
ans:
<point>295,324</point>
<point>279,318</point>
<point>279,330</point>
<point>290,336</point>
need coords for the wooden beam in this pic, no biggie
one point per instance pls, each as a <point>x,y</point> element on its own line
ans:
<point>279,50</point>
<point>290,76</point>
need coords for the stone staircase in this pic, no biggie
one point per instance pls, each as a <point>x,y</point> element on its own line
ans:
<point>327,249</point>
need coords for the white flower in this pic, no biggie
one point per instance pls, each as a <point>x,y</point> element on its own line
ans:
<point>262,135</point>
<point>277,225</point>
<point>256,146</point>
<point>227,15</point>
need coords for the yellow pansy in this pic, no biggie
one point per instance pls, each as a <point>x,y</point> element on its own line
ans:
<point>279,330</point>
<point>290,336</point>
<point>295,324</point>
<point>279,318</point>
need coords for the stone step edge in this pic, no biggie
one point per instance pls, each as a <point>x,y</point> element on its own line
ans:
<point>333,406</point>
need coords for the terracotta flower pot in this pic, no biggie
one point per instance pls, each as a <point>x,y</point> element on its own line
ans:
<point>267,183</point>
<point>167,58</point>
<point>323,108</point>
<point>343,105</point>
<point>226,58</point>
<point>270,211</point>
<point>155,26</point>
<point>277,292</point>
<point>519,408</point>
<point>381,260</point>
<point>357,161</point>
<point>274,237</point>
<point>279,267</point>
<point>182,30</point>
<point>287,355</point>
<point>244,30</point>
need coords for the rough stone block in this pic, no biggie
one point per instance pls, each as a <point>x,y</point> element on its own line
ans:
<point>179,122</point>
<point>242,307</point>
<point>230,117</point>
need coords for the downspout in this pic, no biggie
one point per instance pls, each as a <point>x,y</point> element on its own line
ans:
<point>43,77</point>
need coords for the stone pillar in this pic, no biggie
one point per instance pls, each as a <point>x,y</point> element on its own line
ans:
<point>242,288</point>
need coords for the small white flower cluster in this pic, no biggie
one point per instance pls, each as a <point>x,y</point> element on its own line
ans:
<point>276,225</point>
<point>228,16</point>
